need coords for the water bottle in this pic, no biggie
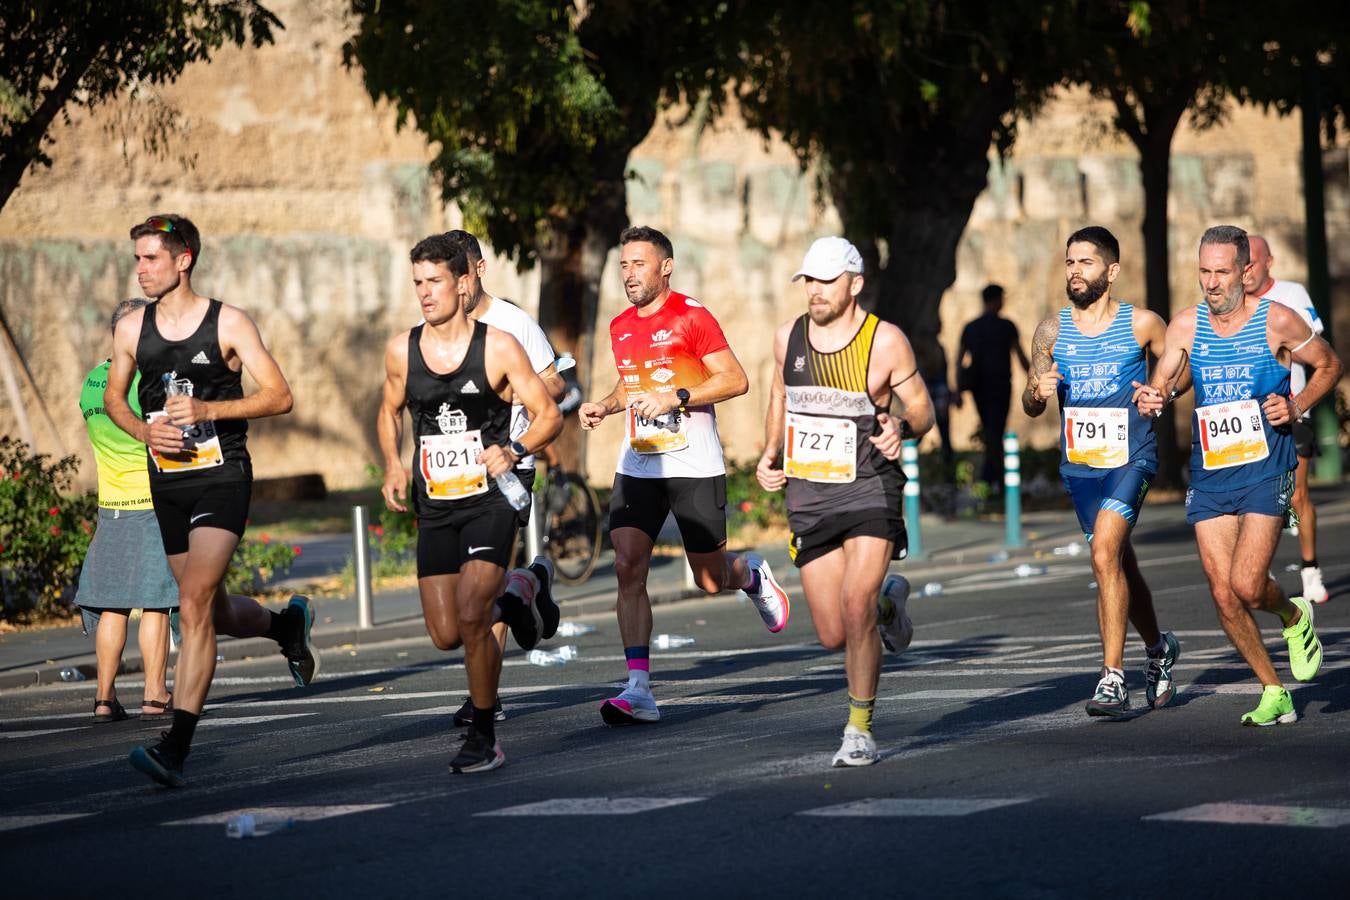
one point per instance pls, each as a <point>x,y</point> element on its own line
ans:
<point>174,388</point>
<point>251,826</point>
<point>560,657</point>
<point>1071,549</point>
<point>998,557</point>
<point>575,629</point>
<point>1026,570</point>
<point>513,490</point>
<point>70,673</point>
<point>932,589</point>
<point>672,641</point>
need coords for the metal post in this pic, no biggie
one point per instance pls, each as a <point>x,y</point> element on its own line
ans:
<point>361,563</point>
<point>909,462</point>
<point>1012,489</point>
<point>534,529</point>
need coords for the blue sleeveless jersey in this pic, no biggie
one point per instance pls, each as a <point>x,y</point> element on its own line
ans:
<point>1098,372</point>
<point>1241,367</point>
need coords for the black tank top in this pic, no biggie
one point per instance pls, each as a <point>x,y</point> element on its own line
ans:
<point>196,359</point>
<point>457,403</point>
<point>829,387</point>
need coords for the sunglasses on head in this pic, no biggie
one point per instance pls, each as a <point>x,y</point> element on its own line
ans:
<point>160,223</point>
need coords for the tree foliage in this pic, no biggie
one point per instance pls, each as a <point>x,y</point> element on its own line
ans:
<point>59,54</point>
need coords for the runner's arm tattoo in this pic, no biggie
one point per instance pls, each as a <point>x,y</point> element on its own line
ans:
<point>1042,343</point>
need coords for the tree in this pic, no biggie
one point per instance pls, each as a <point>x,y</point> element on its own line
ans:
<point>900,102</point>
<point>534,107</point>
<point>79,53</point>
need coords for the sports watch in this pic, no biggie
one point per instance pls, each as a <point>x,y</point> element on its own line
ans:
<point>683,395</point>
<point>518,449</point>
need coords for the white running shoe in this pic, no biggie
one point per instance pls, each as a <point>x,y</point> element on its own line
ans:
<point>858,749</point>
<point>771,600</point>
<point>893,623</point>
<point>1314,591</point>
<point>630,707</point>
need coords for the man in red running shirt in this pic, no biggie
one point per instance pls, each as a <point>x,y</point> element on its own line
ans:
<point>674,366</point>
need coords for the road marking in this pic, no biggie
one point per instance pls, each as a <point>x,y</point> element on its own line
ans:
<point>591,806</point>
<point>222,721</point>
<point>27,734</point>
<point>732,699</point>
<point>916,806</point>
<point>451,710</point>
<point>299,813</point>
<point>1251,814</point>
<point>14,823</point>
<point>964,693</point>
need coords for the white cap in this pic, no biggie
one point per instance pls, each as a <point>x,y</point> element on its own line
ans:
<point>828,258</point>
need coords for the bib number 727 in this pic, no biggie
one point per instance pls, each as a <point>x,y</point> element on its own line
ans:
<point>820,449</point>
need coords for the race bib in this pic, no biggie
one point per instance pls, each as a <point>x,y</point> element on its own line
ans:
<point>449,465</point>
<point>820,449</point>
<point>1231,434</point>
<point>1097,436</point>
<point>660,435</point>
<point>201,449</point>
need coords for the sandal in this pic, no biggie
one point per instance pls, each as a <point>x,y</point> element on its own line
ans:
<point>116,712</point>
<point>165,707</point>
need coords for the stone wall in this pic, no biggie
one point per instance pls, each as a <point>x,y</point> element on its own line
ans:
<point>309,197</point>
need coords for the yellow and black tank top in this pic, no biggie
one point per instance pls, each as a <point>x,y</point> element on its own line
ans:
<point>831,388</point>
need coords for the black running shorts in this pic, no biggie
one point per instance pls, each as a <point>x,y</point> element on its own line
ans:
<point>699,505</point>
<point>181,508</point>
<point>831,534</point>
<point>483,531</point>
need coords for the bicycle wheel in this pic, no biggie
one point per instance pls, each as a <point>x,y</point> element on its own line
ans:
<point>573,528</point>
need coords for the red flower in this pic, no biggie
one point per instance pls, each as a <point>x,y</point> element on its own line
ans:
<point>264,538</point>
<point>2,548</point>
<point>296,549</point>
<point>54,511</point>
<point>379,531</point>
<point>746,506</point>
<point>55,531</point>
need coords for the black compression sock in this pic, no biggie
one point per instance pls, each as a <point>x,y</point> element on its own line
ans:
<point>178,739</point>
<point>482,723</point>
<point>1310,563</point>
<point>276,627</point>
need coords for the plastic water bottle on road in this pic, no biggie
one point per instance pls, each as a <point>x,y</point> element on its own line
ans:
<point>671,641</point>
<point>513,490</point>
<point>932,589</point>
<point>251,826</point>
<point>575,629</point>
<point>560,657</point>
<point>1026,570</point>
<point>71,674</point>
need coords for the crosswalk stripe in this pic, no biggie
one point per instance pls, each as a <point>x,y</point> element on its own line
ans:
<point>299,813</point>
<point>915,806</point>
<point>27,734</point>
<point>591,806</point>
<point>14,823</point>
<point>1252,814</point>
<point>226,721</point>
<point>963,693</point>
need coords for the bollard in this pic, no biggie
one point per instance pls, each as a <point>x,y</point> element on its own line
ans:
<point>909,463</point>
<point>534,529</point>
<point>361,565</point>
<point>1012,489</point>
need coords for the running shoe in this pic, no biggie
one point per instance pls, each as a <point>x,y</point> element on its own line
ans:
<point>1276,708</point>
<point>1158,672</point>
<point>634,705</point>
<point>858,749</point>
<point>464,715</point>
<point>1112,698</point>
<point>770,599</point>
<point>301,656</point>
<point>478,754</point>
<point>549,614</point>
<point>1314,591</point>
<point>893,623</point>
<point>159,764</point>
<point>523,617</point>
<point>1305,650</point>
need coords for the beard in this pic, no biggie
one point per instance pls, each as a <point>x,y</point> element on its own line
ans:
<point>471,303</point>
<point>1231,300</point>
<point>645,294</point>
<point>1091,293</point>
<point>827,315</point>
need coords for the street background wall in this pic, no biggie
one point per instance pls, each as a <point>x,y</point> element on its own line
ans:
<point>309,198</point>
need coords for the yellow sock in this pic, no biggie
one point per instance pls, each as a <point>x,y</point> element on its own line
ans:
<point>860,712</point>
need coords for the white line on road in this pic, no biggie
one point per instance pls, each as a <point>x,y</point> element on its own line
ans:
<point>225,721</point>
<point>14,823</point>
<point>1251,814</point>
<point>298,813</point>
<point>591,806</point>
<point>916,806</point>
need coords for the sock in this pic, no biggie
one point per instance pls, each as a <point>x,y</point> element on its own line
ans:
<point>483,724</point>
<point>751,585</point>
<point>639,666</point>
<point>1159,648</point>
<point>1310,563</point>
<point>1120,672</point>
<point>860,712</point>
<point>178,739</point>
<point>276,627</point>
<point>522,583</point>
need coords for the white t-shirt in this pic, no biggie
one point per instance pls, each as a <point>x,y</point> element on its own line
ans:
<point>1293,295</point>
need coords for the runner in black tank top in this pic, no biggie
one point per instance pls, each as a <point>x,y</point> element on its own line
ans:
<point>839,450</point>
<point>196,361</point>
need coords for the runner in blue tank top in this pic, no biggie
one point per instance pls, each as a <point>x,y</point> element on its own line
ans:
<point>1238,349</point>
<point>1091,356</point>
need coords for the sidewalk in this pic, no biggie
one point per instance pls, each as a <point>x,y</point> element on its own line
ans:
<point>950,548</point>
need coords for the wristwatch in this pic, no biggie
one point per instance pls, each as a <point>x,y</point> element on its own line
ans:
<point>518,449</point>
<point>683,395</point>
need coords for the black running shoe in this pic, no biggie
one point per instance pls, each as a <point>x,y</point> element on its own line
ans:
<point>160,764</point>
<point>523,618</point>
<point>301,657</point>
<point>477,755</point>
<point>542,567</point>
<point>464,716</point>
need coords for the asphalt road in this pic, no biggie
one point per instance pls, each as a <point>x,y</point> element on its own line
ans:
<point>993,781</point>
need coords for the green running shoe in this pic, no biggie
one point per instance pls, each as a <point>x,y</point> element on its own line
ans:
<point>1305,650</point>
<point>1158,674</point>
<point>1276,708</point>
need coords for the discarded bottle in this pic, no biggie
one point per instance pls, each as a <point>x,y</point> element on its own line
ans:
<point>251,826</point>
<point>560,657</point>
<point>575,629</point>
<point>1000,556</point>
<point>671,641</point>
<point>1026,570</point>
<point>513,490</point>
<point>932,589</point>
<point>1073,548</point>
<point>70,673</point>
